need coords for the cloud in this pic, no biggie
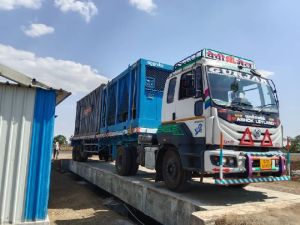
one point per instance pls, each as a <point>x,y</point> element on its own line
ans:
<point>37,30</point>
<point>145,5</point>
<point>57,73</point>
<point>266,73</point>
<point>87,9</point>
<point>12,4</point>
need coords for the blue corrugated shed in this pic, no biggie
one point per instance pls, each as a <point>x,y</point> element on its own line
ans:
<point>27,111</point>
<point>38,180</point>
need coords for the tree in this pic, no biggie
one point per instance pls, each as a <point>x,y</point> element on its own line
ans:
<point>295,144</point>
<point>62,140</point>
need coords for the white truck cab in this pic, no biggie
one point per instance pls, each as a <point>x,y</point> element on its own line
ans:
<point>212,94</point>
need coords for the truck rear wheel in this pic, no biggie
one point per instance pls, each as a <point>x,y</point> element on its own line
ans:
<point>134,165</point>
<point>82,156</point>
<point>74,154</point>
<point>175,177</point>
<point>123,161</point>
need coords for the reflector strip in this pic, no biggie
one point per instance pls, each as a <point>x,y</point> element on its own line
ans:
<point>251,180</point>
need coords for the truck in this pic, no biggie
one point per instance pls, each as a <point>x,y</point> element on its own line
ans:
<point>212,114</point>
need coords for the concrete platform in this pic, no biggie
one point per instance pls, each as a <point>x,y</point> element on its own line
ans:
<point>203,204</point>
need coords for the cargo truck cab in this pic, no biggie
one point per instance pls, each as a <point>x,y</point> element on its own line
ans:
<point>212,95</point>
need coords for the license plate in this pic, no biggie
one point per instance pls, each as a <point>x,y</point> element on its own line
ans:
<point>265,164</point>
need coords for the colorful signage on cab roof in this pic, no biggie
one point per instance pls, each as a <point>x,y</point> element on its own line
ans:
<point>211,54</point>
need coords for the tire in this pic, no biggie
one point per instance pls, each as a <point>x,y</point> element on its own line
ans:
<point>134,165</point>
<point>123,161</point>
<point>175,178</point>
<point>74,154</point>
<point>106,158</point>
<point>82,156</point>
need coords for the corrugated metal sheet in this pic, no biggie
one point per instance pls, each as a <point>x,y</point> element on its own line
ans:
<point>88,113</point>
<point>25,81</point>
<point>37,193</point>
<point>16,115</point>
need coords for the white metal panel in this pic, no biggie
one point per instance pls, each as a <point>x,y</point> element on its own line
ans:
<point>16,116</point>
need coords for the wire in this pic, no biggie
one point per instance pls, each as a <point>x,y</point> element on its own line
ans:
<point>133,214</point>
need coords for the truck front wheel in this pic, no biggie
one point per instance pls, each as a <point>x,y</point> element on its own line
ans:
<point>175,177</point>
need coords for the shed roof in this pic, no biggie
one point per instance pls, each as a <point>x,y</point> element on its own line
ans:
<point>24,80</point>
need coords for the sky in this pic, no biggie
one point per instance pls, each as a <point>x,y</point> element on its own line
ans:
<point>79,44</point>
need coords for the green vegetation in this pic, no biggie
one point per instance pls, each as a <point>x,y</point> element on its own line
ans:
<point>295,144</point>
<point>62,140</point>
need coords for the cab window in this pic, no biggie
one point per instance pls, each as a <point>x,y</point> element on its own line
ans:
<point>187,85</point>
<point>171,90</point>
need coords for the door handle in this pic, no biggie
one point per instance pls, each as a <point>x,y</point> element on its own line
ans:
<point>173,116</point>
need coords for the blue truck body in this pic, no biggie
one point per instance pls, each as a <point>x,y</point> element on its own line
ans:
<point>128,105</point>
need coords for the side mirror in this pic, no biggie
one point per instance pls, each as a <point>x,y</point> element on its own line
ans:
<point>198,83</point>
<point>198,94</point>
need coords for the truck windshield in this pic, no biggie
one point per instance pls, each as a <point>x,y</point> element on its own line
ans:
<point>241,90</point>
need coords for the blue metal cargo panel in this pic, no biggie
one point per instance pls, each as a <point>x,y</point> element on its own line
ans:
<point>154,75</point>
<point>135,97</point>
<point>120,103</point>
<point>38,180</point>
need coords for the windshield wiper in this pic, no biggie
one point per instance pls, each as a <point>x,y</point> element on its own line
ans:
<point>264,106</point>
<point>241,104</point>
<point>234,107</point>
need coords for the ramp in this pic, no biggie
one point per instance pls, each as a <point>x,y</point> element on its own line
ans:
<point>203,204</point>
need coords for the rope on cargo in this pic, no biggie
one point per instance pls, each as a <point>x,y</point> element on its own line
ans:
<point>133,214</point>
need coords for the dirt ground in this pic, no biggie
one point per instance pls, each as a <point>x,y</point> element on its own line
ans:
<point>73,201</point>
<point>288,216</point>
<point>290,187</point>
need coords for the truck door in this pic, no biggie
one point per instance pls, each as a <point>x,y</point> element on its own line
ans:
<point>190,100</point>
<point>168,112</point>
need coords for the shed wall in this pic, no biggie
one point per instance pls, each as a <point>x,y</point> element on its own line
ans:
<point>16,116</point>
<point>38,178</point>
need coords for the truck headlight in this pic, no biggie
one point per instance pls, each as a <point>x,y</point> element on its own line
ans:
<point>228,161</point>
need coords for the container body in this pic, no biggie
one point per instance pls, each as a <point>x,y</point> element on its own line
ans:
<point>131,100</point>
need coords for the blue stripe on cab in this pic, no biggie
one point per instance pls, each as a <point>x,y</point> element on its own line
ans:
<point>37,192</point>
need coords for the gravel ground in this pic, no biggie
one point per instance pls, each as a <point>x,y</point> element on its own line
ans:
<point>73,201</point>
<point>288,216</point>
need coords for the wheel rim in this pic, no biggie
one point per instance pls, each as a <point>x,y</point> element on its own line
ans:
<point>172,170</point>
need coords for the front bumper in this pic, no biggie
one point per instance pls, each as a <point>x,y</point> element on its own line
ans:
<point>249,167</point>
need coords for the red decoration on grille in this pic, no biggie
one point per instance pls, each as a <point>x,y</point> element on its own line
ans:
<point>247,138</point>
<point>267,141</point>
